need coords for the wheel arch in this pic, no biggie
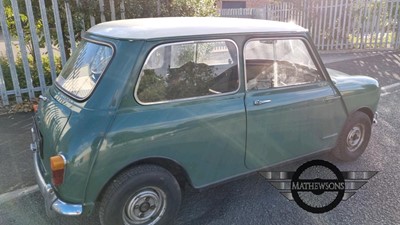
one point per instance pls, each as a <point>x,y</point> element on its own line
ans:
<point>365,110</point>
<point>170,165</point>
<point>341,151</point>
<point>368,111</point>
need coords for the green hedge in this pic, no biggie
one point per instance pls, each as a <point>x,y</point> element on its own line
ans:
<point>33,69</point>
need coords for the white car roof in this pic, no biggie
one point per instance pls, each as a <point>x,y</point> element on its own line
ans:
<point>162,27</point>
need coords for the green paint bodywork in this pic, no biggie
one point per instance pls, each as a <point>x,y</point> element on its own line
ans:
<point>298,121</point>
<point>357,91</point>
<point>212,139</point>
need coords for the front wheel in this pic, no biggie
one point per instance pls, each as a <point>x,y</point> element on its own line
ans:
<point>144,195</point>
<point>354,138</point>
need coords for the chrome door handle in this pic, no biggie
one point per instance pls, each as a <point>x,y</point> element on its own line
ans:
<point>331,98</point>
<point>260,102</point>
<point>43,98</point>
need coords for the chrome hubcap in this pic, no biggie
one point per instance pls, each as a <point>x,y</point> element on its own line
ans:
<point>355,137</point>
<point>146,206</point>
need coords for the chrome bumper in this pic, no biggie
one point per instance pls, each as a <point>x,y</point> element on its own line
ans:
<point>52,203</point>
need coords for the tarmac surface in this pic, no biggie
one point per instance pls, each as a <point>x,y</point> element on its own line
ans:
<point>252,200</point>
<point>15,139</point>
<point>383,66</point>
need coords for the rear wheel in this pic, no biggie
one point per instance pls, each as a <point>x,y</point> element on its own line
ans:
<point>354,138</point>
<point>144,195</point>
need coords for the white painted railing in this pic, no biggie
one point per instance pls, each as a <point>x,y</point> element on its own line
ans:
<point>333,25</point>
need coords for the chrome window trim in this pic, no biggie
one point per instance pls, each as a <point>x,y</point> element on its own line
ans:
<point>309,48</point>
<point>77,98</point>
<point>190,98</point>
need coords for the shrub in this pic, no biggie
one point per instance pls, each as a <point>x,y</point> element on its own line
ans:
<point>5,66</point>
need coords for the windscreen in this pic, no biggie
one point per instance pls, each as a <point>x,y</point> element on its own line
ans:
<point>82,71</point>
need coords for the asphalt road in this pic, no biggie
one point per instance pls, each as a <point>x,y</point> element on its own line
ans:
<point>251,200</point>
<point>384,66</point>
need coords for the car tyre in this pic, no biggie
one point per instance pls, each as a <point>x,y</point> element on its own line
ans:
<point>146,194</point>
<point>354,138</point>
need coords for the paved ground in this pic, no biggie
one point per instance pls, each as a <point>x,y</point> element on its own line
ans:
<point>14,130</point>
<point>251,200</point>
<point>384,66</point>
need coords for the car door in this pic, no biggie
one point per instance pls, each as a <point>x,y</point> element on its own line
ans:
<point>291,108</point>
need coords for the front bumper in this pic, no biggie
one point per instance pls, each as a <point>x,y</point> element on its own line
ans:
<point>52,203</point>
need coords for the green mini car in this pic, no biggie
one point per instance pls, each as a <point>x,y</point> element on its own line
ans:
<point>144,107</point>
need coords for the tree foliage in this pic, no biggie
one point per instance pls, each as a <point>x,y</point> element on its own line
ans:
<point>10,20</point>
<point>83,10</point>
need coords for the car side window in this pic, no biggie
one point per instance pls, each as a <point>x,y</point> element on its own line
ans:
<point>188,69</point>
<point>278,63</point>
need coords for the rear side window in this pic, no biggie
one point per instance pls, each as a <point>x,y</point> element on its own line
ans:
<point>84,68</point>
<point>188,69</point>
